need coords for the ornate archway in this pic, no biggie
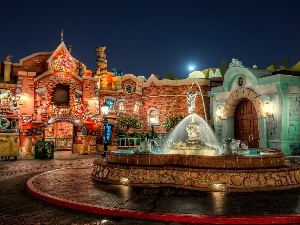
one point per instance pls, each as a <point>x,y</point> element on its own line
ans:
<point>236,96</point>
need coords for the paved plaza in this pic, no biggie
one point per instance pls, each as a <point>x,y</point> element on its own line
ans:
<point>60,191</point>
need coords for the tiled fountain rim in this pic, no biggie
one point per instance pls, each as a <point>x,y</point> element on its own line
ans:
<point>276,159</point>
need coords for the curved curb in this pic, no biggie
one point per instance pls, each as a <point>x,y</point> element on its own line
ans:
<point>157,216</point>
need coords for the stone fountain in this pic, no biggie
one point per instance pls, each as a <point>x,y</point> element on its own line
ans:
<point>193,159</point>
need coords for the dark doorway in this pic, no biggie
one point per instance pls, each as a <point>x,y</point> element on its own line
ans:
<point>61,95</point>
<point>246,124</point>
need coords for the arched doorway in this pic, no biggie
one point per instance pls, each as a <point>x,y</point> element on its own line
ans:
<point>246,124</point>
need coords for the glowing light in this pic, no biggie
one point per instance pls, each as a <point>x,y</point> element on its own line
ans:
<point>124,180</point>
<point>191,68</point>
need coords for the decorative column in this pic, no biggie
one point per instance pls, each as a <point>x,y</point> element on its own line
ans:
<point>84,145</point>
<point>263,133</point>
<point>92,145</point>
<point>227,128</point>
<point>7,68</point>
<point>28,145</point>
<point>101,63</point>
<point>283,126</point>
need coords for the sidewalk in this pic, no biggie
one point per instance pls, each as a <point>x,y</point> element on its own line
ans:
<point>65,181</point>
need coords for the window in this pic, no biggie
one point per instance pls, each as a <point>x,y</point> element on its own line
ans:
<point>110,103</point>
<point>128,88</point>
<point>61,95</point>
<point>121,106</point>
<point>137,107</point>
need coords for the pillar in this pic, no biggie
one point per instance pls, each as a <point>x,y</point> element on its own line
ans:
<point>84,149</point>
<point>28,145</point>
<point>227,128</point>
<point>92,145</point>
<point>262,129</point>
<point>7,68</point>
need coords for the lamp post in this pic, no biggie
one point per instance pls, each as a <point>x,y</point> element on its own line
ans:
<point>152,121</point>
<point>104,110</point>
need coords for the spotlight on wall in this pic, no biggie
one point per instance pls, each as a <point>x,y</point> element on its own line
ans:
<point>219,113</point>
<point>268,109</point>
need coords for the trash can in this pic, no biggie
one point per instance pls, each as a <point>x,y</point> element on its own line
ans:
<point>44,150</point>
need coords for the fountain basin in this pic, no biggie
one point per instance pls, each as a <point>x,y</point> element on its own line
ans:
<point>201,161</point>
<point>203,173</point>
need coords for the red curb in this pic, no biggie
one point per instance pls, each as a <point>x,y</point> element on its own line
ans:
<point>169,217</point>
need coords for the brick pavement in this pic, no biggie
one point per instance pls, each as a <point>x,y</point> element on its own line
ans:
<point>69,181</point>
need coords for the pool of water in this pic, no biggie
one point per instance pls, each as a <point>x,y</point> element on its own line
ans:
<point>251,152</point>
<point>156,150</point>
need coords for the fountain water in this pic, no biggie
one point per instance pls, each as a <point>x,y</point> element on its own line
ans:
<point>193,136</point>
<point>145,147</point>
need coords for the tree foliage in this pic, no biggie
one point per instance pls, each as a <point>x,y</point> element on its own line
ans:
<point>223,67</point>
<point>125,122</point>
<point>286,63</point>
<point>276,66</point>
<point>171,122</point>
<point>170,76</point>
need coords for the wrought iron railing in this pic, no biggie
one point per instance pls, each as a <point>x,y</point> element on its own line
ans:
<point>133,142</point>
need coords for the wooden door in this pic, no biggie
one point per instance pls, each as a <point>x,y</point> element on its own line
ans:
<point>246,124</point>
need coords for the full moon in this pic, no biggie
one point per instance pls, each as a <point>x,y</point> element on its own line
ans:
<point>191,68</point>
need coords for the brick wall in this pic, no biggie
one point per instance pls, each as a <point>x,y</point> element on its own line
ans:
<point>170,100</point>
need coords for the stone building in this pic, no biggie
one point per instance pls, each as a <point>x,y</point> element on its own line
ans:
<point>259,107</point>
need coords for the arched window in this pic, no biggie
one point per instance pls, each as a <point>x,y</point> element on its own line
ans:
<point>153,112</point>
<point>137,105</point>
<point>110,103</point>
<point>121,106</point>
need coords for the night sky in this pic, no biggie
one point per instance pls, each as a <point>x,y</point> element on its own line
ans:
<point>144,37</point>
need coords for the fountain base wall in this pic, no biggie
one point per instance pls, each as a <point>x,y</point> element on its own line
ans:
<point>143,172</point>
